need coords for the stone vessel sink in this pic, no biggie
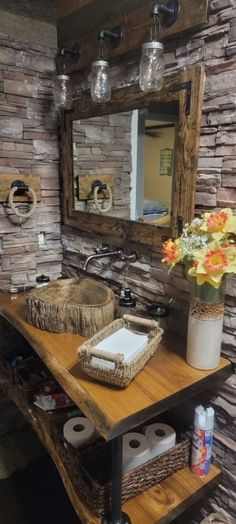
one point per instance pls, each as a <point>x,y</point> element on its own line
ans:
<point>73,305</point>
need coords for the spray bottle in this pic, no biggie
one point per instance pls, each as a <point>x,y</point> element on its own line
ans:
<point>202,441</point>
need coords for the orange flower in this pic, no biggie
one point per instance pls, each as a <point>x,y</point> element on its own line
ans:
<point>171,253</point>
<point>216,260</point>
<point>216,221</point>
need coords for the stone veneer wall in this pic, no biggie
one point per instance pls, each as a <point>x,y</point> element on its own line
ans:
<point>29,144</point>
<point>215,47</point>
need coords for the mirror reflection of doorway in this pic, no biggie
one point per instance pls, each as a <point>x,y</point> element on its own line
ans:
<point>132,154</point>
<point>153,170</point>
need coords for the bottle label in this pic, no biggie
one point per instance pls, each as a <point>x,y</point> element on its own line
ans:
<point>201,451</point>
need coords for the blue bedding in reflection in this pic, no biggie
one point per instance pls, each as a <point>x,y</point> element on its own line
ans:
<point>153,210</point>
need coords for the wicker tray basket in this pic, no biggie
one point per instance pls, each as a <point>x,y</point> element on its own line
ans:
<point>123,373</point>
<point>92,472</point>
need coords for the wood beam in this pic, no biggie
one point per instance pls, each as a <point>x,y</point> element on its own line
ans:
<point>80,20</point>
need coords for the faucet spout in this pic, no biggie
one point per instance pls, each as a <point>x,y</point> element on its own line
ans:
<point>116,253</point>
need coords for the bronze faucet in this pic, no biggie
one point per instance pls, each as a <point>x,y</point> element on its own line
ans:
<point>104,250</point>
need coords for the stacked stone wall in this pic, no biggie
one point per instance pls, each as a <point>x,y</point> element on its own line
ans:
<point>29,145</point>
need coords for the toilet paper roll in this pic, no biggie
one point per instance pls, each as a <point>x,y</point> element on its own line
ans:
<point>161,437</point>
<point>136,451</point>
<point>78,431</point>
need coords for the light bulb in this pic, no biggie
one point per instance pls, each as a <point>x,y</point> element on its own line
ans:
<point>151,67</point>
<point>100,81</point>
<point>62,92</point>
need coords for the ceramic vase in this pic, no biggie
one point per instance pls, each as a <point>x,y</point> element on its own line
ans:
<point>205,326</point>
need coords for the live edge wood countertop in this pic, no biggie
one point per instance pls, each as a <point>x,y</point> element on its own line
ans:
<point>164,382</point>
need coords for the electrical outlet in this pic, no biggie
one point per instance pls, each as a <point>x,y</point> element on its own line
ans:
<point>41,239</point>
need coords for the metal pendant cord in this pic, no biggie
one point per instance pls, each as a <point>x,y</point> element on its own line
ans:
<point>155,28</point>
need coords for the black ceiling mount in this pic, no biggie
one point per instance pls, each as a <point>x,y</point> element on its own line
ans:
<point>73,52</point>
<point>169,11</point>
<point>114,36</point>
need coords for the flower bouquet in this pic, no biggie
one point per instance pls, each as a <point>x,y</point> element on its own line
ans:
<point>208,248</point>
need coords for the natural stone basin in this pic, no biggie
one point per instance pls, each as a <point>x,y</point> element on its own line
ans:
<point>74,305</point>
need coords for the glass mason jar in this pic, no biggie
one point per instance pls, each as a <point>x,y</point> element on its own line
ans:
<point>205,325</point>
<point>100,81</point>
<point>151,67</point>
<point>62,92</point>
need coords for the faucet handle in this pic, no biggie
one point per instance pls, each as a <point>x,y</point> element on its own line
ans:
<point>133,257</point>
<point>102,248</point>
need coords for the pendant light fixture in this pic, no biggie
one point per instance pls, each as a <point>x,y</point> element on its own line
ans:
<point>62,86</point>
<point>151,67</point>
<point>62,92</point>
<point>100,69</point>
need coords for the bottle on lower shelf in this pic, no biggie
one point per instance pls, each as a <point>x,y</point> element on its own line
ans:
<point>202,441</point>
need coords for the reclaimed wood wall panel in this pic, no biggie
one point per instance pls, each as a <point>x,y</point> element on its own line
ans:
<point>64,8</point>
<point>79,22</point>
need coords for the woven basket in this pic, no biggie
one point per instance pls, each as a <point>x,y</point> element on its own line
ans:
<point>123,373</point>
<point>92,473</point>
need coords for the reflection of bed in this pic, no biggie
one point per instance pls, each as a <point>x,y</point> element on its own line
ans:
<point>155,213</point>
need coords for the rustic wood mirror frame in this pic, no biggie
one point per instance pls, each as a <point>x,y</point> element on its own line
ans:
<point>185,162</point>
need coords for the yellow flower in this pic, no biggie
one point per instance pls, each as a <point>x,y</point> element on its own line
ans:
<point>212,264</point>
<point>219,223</point>
<point>171,253</point>
<point>216,260</point>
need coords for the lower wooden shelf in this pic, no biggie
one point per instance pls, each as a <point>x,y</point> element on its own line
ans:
<point>164,502</point>
<point>160,504</point>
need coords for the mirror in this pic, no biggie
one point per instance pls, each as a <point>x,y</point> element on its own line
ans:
<point>129,166</point>
<point>133,153</point>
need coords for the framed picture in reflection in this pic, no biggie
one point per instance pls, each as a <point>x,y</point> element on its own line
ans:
<point>166,162</point>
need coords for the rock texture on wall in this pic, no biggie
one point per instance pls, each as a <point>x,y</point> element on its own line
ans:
<point>29,144</point>
<point>215,47</point>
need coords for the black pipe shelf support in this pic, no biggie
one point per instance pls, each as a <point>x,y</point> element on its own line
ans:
<point>116,515</point>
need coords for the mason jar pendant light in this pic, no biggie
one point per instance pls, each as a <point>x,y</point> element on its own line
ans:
<point>62,86</point>
<point>151,67</point>
<point>62,92</point>
<point>100,81</point>
<point>100,69</point>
